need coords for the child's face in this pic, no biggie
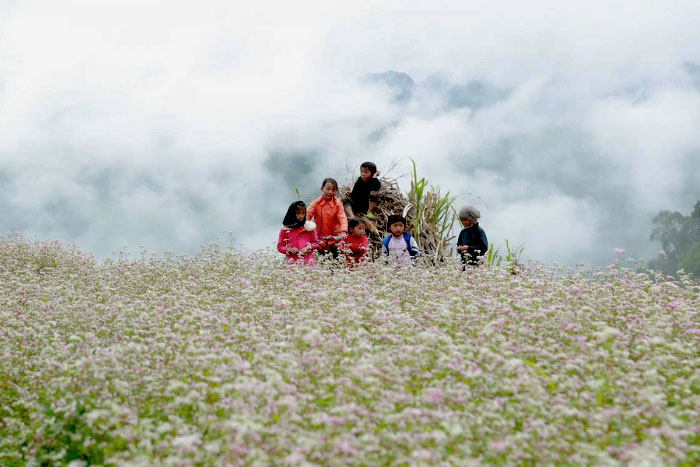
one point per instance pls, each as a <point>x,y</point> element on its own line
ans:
<point>396,229</point>
<point>328,191</point>
<point>358,230</point>
<point>301,213</point>
<point>465,222</point>
<point>365,174</point>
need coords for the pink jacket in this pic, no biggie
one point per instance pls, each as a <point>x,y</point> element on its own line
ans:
<point>328,215</point>
<point>298,238</point>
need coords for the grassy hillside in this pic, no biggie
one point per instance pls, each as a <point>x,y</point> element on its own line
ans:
<point>225,358</point>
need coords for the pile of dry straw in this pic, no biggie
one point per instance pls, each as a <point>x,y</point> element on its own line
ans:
<point>429,216</point>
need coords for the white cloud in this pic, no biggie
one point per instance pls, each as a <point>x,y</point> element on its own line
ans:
<point>555,227</point>
<point>166,125</point>
<point>648,139</point>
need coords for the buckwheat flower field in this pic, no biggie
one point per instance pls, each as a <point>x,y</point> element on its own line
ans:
<point>226,358</point>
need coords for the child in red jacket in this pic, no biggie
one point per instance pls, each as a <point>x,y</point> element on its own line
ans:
<point>355,245</point>
<point>297,238</point>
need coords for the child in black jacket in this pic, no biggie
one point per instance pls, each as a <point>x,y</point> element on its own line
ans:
<point>472,241</point>
<point>363,197</point>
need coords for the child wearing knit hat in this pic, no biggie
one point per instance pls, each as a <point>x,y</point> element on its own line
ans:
<point>472,241</point>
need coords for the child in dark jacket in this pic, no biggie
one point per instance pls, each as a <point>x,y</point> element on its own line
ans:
<point>355,245</point>
<point>400,246</point>
<point>297,238</point>
<point>472,241</point>
<point>363,198</point>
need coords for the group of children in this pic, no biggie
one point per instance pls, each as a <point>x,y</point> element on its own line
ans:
<point>332,226</point>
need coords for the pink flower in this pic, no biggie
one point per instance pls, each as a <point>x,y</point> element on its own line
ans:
<point>422,454</point>
<point>499,446</point>
<point>498,323</point>
<point>435,396</point>
<point>673,305</point>
<point>345,447</point>
<point>619,251</point>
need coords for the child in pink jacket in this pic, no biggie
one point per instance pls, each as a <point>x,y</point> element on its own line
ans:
<point>297,238</point>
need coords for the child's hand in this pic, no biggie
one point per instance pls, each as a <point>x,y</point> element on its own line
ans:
<point>293,251</point>
<point>347,192</point>
<point>376,174</point>
<point>462,249</point>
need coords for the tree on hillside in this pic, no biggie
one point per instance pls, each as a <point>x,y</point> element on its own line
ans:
<point>690,261</point>
<point>677,234</point>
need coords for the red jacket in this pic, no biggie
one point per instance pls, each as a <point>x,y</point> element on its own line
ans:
<point>298,238</point>
<point>355,248</point>
<point>329,216</point>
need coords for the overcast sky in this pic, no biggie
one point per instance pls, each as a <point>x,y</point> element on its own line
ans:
<point>166,125</point>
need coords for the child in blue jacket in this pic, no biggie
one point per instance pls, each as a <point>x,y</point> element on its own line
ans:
<point>400,246</point>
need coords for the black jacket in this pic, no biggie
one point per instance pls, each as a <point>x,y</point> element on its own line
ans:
<point>362,194</point>
<point>473,237</point>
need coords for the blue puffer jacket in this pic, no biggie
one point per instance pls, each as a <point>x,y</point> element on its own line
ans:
<point>411,245</point>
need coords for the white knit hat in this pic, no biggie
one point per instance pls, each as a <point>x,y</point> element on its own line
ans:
<point>469,212</point>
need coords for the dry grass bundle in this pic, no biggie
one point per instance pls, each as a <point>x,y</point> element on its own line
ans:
<point>429,215</point>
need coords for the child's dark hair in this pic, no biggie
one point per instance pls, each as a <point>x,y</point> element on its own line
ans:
<point>290,219</point>
<point>331,181</point>
<point>354,222</point>
<point>394,218</point>
<point>371,166</point>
